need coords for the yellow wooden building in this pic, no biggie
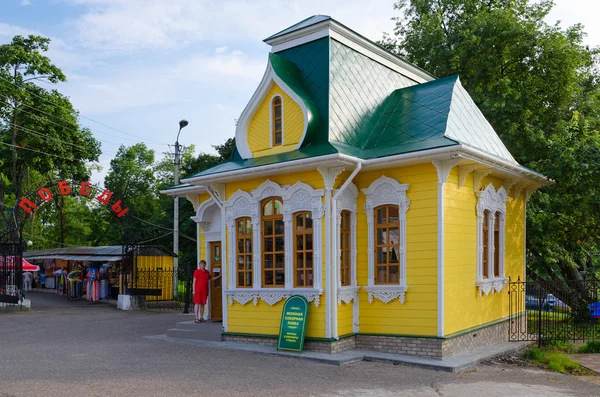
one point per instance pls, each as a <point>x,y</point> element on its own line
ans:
<point>372,188</point>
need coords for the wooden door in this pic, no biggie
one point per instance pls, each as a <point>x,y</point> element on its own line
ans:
<point>216,303</point>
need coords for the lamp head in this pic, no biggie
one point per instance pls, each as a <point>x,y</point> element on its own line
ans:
<point>183,123</point>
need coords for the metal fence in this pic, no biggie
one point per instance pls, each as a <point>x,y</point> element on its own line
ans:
<point>11,272</point>
<point>545,311</point>
<point>157,286</point>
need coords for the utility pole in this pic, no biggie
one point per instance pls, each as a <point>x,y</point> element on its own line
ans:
<point>176,163</point>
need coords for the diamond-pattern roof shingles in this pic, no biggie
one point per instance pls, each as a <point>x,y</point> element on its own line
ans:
<point>358,85</point>
<point>469,126</point>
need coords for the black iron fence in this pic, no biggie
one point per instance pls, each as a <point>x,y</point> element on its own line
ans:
<point>11,272</point>
<point>158,286</point>
<point>545,311</point>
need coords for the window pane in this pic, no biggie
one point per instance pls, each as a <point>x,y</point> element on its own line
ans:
<point>248,227</point>
<point>299,221</point>
<point>268,227</point>
<point>381,236</point>
<point>300,243</point>
<point>240,227</point>
<point>277,111</point>
<point>300,278</point>
<point>278,125</point>
<point>278,139</point>
<point>268,245</point>
<point>299,260</point>
<point>309,221</point>
<point>394,274</point>
<point>269,278</point>
<point>279,261</point>
<point>248,262</point>
<point>268,208</point>
<point>309,242</point>
<point>248,246</point>
<point>248,279</point>
<point>381,275</point>
<point>309,278</point>
<point>241,279</point>
<point>240,262</point>
<point>278,207</point>
<point>381,216</point>
<point>268,261</point>
<point>381,255</point>
<point>277,100</point>
<point>279,227</point>
<point>394,235</point>
<point>280,277</point>
<point>393,214</point>
<point>394,255</point>
<point>308,260</point>
<point>241,246</point>
<point>279,244</point>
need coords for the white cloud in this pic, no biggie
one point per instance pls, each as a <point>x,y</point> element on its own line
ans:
<point>220,50</point>
<point>25,3</point>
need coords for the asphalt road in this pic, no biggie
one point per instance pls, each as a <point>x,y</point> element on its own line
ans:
<point>79,349</point>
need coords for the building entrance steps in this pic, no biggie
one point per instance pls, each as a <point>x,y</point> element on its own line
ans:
<point>456,363</point>
<point>206,331</point>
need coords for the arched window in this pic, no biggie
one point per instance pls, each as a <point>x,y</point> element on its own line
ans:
<point>345,242</point>
<point>244,253</point>
<point>303,250</point>
<point>273,243</point>
<point>387,244</point>
<point>277,121</point>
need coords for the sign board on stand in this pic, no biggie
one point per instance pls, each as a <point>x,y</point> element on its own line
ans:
<point>293,324</point>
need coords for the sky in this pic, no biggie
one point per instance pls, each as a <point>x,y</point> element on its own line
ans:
<point>136,67</point>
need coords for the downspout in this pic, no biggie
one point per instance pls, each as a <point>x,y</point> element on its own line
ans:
<point>333,260</point>
<point>224,260</point>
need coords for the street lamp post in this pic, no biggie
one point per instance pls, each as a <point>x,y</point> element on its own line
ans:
<point>176,162</point>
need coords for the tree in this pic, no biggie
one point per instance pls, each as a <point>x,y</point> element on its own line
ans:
<point>538,87</point>
<point>39,130</point>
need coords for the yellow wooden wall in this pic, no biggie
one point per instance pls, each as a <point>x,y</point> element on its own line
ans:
<point>345,319</point>
<point>463,306</point>
<point>259,129</point>
<point>263,319</point>
<point>418,314</point>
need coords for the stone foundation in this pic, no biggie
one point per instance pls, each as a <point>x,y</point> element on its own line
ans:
<point>439,348</point>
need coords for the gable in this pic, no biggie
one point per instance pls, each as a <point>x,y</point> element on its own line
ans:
<point>260,128</point>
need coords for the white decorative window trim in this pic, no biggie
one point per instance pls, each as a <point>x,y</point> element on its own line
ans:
<point>495,202</point>
<point>272,296</point>
<point>386,293</point>
<point>347,294</point>
<point>347,202</point>
<point>299,197</point>
<point>386,191</point>
<point>271,126</point>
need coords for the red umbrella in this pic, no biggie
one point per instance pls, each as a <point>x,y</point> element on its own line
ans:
<point>27,267</point>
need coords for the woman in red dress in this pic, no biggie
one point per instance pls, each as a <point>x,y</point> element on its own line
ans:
<point>200,290</point>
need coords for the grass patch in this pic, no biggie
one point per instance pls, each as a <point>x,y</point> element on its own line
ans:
<point>592,346</point>
<point>553,359</point>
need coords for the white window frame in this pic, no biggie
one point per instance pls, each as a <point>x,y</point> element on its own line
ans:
<point>297,198</point>
<point>386,191</point>
<point>347,202</point>
<point>493,201</point>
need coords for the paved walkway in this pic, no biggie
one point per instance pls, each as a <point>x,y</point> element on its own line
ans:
<point>590,361</point>
<point>96,350</point>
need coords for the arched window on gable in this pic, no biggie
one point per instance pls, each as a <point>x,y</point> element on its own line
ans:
<point>277,121</point>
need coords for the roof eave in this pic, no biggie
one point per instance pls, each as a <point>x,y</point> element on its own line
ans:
<point>182,191</point>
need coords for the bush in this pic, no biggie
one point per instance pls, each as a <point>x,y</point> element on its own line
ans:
<point>559,363</point>
<point>535,354</point>
<point>592,346</point>
<point>560,346</point>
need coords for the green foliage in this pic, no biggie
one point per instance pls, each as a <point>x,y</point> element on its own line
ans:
<point>535,354</point>
<point>538,85</point>
<point>592,346</point>
<point>560,346</point>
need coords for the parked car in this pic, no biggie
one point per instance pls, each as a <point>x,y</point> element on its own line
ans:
<point>552,303</point>
<point>532,302</point>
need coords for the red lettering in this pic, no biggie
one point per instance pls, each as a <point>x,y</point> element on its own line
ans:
<point>104,197</point>
<point>65,189</point>
<point>86,189</point>
<point>45,194</point>
<point>120,214</point>
<point>27,205</point>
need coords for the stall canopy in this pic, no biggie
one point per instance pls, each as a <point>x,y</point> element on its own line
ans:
<point>27,267</point>
<point>110,253</point>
